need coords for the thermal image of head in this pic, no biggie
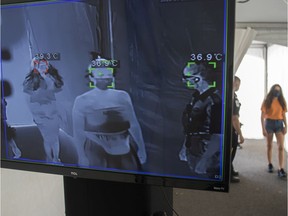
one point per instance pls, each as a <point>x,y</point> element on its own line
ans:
<point>41,84</point>
<point>106,130</point>
<point>101,77</point>
<point>194,76</point>
<point>201,120</point>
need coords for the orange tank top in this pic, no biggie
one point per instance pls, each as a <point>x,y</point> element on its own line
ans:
<point>276,112</point>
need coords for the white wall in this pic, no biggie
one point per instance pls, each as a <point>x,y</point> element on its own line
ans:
<point>278,72</point>
<point>31,194</point>
<point>278,67</point>
<point>251,92</point>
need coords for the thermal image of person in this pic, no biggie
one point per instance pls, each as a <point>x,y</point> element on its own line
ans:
<point>7,132</point>
<point>41,84</point>
<point>201,120</point>
<point>106,130</point>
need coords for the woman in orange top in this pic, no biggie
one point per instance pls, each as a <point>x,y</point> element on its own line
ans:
<point>273,120</point>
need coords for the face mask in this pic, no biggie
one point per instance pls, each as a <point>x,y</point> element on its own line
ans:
<point>276,93</point>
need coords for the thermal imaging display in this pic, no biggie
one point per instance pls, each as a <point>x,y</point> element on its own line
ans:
<point>130,87</point>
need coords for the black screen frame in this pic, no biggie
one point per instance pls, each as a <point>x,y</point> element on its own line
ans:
<point>147,179</point>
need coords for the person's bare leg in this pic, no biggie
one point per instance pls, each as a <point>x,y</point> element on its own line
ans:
<point>269,139</point>
<point>280,142</point>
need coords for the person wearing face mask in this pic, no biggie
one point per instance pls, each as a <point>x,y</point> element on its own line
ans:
<point>105,127</point>
<point>41,84</point>
<point>273,121</point>
<point>201,120</point>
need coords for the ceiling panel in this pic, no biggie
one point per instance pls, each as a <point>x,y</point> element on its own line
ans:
<point>261,11</point>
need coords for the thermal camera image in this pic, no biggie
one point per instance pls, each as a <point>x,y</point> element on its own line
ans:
<point>139,90</point>
<point>201,122</point>
<point>7,132</point>
<point>106,129</point>
<point>41,84</point>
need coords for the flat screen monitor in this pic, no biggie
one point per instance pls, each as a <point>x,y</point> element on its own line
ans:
<point>120,90</point>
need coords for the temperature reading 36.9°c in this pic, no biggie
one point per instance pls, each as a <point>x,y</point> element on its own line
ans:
<point>206,56</point>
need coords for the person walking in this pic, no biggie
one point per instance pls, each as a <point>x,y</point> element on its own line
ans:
<point>273,121</point>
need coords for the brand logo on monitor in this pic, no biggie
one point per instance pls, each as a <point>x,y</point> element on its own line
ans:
<point>74,173</point>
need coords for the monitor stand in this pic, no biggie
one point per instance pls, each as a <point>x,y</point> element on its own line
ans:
<point>91,197</point>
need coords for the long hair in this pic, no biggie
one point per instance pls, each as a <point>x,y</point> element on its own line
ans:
<point>34,78</point>
<point>269,98</point>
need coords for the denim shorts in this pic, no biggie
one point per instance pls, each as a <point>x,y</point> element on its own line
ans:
<point>274,126</point>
